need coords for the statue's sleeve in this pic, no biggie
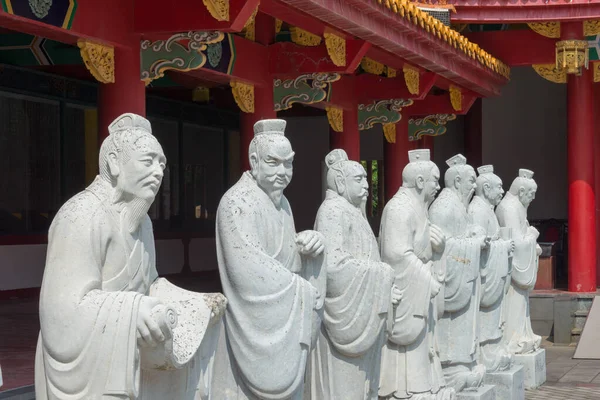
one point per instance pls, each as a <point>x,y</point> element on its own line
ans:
<point>412,277</point>
<point>358,290</point>
<point>270,309</point>
<point>88,335</point>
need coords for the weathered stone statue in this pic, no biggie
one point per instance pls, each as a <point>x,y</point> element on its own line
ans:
<point>345,363</point>
<point>109,328</point>
<point>512,213</point>
<point>495,270</point>
<point>266,271</point>
<point>410,365</point>
<point>458,328</point>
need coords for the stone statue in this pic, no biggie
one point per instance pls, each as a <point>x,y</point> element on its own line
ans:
<point>110,328</point>
<point>458,328</point>
<point>495,270</point>
<point>345,363</point>
<point>512,213</point>
<point>271,277</point>
<point>410,365</point>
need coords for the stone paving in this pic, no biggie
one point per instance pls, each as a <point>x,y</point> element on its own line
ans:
<point>566,378</point>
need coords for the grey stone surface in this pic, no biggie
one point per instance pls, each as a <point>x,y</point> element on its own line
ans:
<point>510,384</point>
<point>534,368</point>
<point>485,392</point>
<point>563,318</point>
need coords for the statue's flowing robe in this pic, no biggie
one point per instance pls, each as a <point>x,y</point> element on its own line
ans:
<point>495,276</point>
<point>346,360</point>
<point>518,332</point>
<point>96,274</point>
<point>409,362</point>
<point>270,317</point>
<point>458,328</point>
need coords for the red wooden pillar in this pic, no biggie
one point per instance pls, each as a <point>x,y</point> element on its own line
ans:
<point>395,159</point>
<point>580,153</point>
<point>597,173</point>
<point>263,95</point>
<point>127,94</point>
<point>473,135</point>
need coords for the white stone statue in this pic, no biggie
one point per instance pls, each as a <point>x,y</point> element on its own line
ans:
<point>458,328</point>
<point>512,213</point>
<point>495,270</point>
<point>410,365</point>
<point>271,277</point>
<point>110,328</point>
<point>345,363</point>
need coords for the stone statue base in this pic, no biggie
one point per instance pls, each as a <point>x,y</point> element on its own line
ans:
<point>534,368</point>
<point>484,392</point>
<point>510,384</point>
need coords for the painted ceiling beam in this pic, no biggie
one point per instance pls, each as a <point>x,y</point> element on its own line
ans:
<point>439,105</point>
<point>517,47</point>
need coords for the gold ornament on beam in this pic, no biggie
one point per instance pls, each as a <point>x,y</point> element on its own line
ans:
<point>411,77</point>
<point>596,67</point>
<point>371,66</point>
<point>456,98</point>
<point>572,55</point>
<point>99,60</point>
<point>336,48</point>
<point>548,29</point>
<point>550,73</point>
<point>278,24</point>
<point>243,93</point>
<point>250,27</point>
<point>591,28</point>
<point>219,9</point>
<point>389,131</point>
<point>391,72</point>
<point>335,116</point>
<point>304,38</point>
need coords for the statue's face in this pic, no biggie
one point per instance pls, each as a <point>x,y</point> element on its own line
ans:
<point>495,190</point>
<point>467,185</point>
<point>141,174</point>
<point>432,185</point>
<point>527,194</point>
<point>357,187</point>
<point>274,169</point>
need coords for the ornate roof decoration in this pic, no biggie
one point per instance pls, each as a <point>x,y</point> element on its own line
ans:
<point>410,11</point>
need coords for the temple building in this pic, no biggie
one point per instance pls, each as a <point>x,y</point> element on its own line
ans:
<point>511,85</point>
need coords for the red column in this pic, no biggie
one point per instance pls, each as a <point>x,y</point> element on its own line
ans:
<point>349,139</point>
<point>580,153</point>
<point>396,158</point>
<point>473,134</point>
<point>127,94</point>
<point>597,173</point>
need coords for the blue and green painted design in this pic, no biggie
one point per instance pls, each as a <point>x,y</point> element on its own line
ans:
<point>59,13</point>
<point>27,50</point>
<point>431,125</point>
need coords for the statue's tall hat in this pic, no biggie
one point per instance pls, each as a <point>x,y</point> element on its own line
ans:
<point>129,121</point>
<point>334,157</point>
<point>269,127</point>
<point>456,160</point>
<point>419,155</point>
<point>485,169</point>
<point>525,173</point>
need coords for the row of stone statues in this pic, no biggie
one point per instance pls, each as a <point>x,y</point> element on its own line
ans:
<point>428,312</point>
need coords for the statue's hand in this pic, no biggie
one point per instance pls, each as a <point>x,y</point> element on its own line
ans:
<point>396,295</point>
<point>485,242</point>
<point>437,237</point>
<point>149,333</point>
<point>311,243</point>
<point>435,287</point>
<point>538,250</point>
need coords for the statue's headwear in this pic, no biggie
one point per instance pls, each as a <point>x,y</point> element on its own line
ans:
<point>485,169</point>
<point>129,121</point>
<point>525,173</point>
<point>419,155</point>
<point>335,157</point>
<point>456,161</point>
<point>269,127</point>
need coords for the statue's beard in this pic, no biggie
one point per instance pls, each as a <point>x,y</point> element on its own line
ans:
<point>133,211</point>
<point>275,195</point>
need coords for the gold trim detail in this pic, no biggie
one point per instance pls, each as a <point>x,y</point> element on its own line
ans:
<point>250,27</point>
<point>371,66</point>
<point>550,73</point>
<point>278,24</point>
<point>219,9</point>
<point>304,38</point>
<point>335,116</point>
<point>411,77</point>
<point>591,28</point>
<point>99,60</point>
<point>456,98</point>
<point>201,94</point>
<point>596,69</point>
<point>389,131</point>
<point>572,55</point>
<point>408,10</point>
<point>549,29</point>
<point>336,48</point>
<point>391,72</point>
<point>243,93</point>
